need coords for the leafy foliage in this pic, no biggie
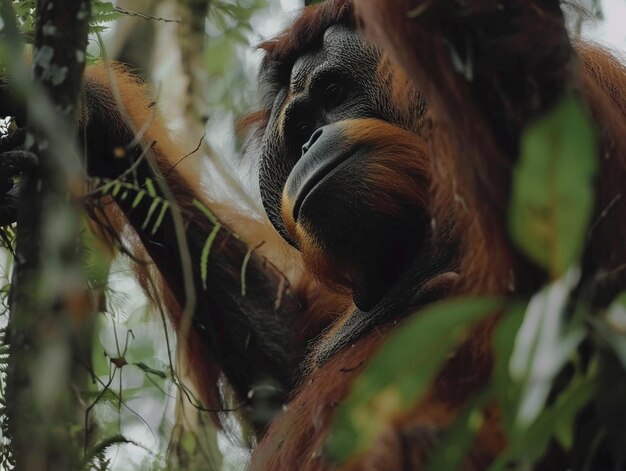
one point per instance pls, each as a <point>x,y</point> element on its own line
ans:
<point>552,196</point>
<point>229,29</point>
<point>102,12</point>
<point>551,351</point>
<point>402,370</point>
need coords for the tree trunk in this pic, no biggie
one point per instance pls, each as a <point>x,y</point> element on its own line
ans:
<point>51,310</point>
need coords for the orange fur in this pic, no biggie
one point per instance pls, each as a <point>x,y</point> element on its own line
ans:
<point>456,146</point>
<point>128,102</point>
<point>471,175</point>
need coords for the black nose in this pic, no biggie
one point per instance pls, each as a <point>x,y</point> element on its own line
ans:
<point>314,137</point>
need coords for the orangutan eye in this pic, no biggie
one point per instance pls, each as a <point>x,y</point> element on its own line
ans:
<point>304,129</point>
<point>334,95</point>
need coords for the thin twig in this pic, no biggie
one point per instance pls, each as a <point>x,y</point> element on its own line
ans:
<point>185,156</point>
<point>145,16</point>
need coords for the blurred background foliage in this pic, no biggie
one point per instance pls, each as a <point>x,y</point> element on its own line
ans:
<point>139,413</point>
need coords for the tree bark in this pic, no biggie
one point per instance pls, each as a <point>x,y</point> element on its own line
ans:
<point>51,310</point>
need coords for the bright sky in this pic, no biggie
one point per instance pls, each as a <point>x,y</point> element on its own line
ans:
<point>610,32</point>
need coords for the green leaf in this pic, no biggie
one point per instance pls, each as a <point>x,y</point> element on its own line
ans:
<point>102,12</point>
<point>147,369</point>
<point>458,439</point>
<point>507,392</point>
<point>612,328</point>
<point>204,256</point>
<point>552,190</point>
<point>97,258</point>
<point>544,343</point>
<point>527,447</point>
<point>402,371</point>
